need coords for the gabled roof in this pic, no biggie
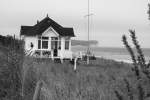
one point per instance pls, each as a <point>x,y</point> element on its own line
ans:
<point>41,26</point>
<point>24,29</point>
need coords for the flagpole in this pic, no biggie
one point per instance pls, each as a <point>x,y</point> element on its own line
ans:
<point>88,49</point>
<point>88,31</point>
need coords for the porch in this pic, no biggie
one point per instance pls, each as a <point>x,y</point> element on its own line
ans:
<point>46,54</point>
<point>52,54</point>
<point>49,47</point>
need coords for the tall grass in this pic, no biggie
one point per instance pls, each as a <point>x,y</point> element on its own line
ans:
<point>11,62</point>
<point>89,82</point>
<point>141,72</point>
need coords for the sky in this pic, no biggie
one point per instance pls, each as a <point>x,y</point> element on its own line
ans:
<point>110,20</point>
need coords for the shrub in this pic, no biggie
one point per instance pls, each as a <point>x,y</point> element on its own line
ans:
<point>140,69</point>
<point>11,68</point>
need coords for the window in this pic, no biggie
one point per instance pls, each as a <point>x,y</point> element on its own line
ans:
<point>59,44</point>
<point>39,44</point>
<point>45,38</point>
<point>54,42</point>
<point>54,38</point>
<point>43,42</point>
<point>66,44</point>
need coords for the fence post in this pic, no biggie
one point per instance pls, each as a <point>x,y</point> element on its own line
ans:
<point>75,63</point>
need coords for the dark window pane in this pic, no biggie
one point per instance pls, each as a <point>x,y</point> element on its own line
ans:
<point>39,44</point>
<point>59,46</point>
<point>52,44</point>
<point>46,38</point>
<point>44,44</point>
<point>66,45</point>
<point>54,38</point>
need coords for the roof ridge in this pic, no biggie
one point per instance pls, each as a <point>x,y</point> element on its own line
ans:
<point>40,27</point>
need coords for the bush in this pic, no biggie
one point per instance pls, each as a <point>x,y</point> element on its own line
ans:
<point>141,71</point>
<point>11,68</point>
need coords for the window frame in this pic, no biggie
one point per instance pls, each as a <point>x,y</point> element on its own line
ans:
<point>41,40</point>
<point>67,43</point>
<point>53,41</point>
<point>44,44</point>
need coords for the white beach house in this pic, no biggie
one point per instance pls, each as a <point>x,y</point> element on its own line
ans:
<point>47,39</point>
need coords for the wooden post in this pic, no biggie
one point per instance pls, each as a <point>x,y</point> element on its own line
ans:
<point>75,63</point>
<point>41,53</point>
<point>52,54</point>
<point>61,57</point>
<point>37,90</point>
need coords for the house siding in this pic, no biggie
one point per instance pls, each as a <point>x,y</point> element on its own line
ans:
<point>28,41</point>
<point>62,53</point>
<point>50,33</point>
<point>65,53</point>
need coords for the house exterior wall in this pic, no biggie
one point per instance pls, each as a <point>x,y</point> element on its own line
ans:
<point>28,41</point>
<point>50,32</point>
<point>65,53</point>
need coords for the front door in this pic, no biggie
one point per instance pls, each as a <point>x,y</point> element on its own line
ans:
<point>56,49</point>
<point>54,46</point>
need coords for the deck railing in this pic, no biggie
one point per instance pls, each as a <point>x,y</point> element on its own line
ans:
<point>42,53</point>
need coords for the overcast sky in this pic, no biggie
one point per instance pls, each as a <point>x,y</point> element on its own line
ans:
<point>111,19</point>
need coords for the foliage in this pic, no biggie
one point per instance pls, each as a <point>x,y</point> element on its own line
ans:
<point>11,68</point>
<point>140,69</point>
<point>90,82</point>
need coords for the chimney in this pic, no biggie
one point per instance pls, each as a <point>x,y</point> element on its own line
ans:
<point>37,21</point>
<point>47,15</point>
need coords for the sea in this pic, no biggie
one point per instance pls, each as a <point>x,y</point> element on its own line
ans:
<point>113,53</point>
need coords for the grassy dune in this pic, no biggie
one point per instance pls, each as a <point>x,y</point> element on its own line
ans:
<point>11,60</point>
<point>96,81</point>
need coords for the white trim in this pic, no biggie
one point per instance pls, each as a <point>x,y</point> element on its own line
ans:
<point>41,40</point>
<point>50,32</point>
<point>50,28</point>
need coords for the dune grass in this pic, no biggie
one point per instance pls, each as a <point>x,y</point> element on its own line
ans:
<point>11,60</point>
<point>96,81</point>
